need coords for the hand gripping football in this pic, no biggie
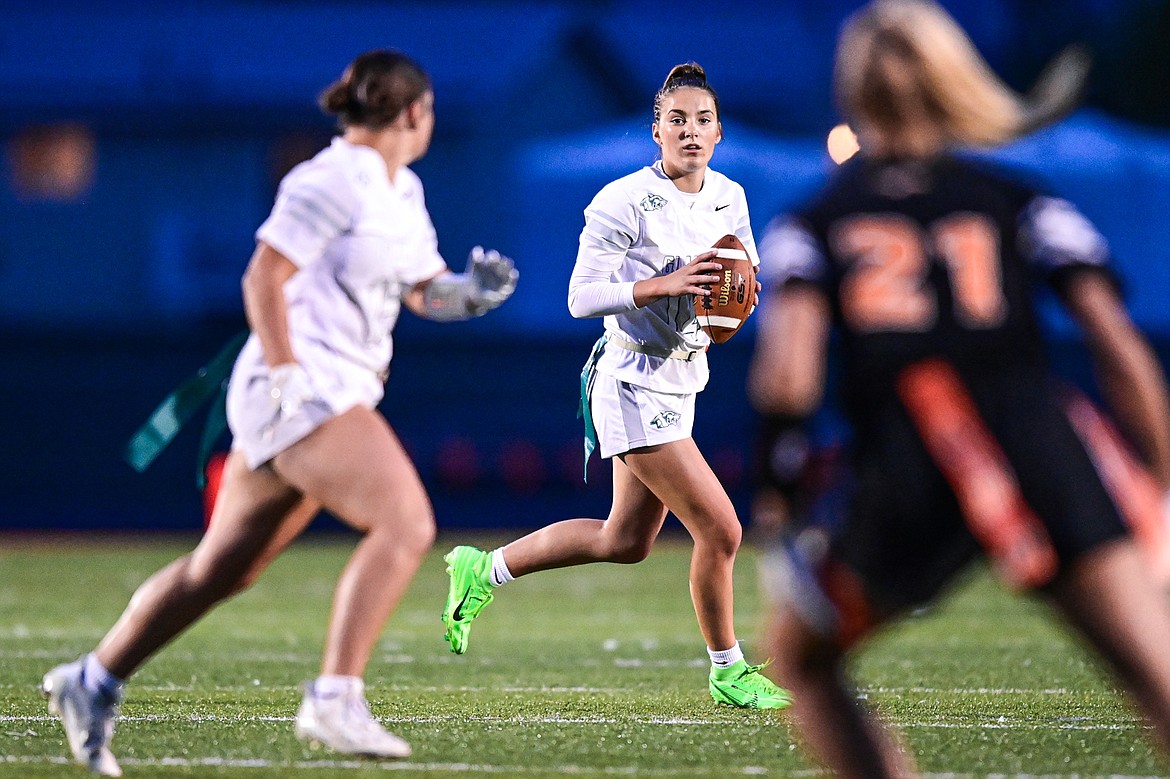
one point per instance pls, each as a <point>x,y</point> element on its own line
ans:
<point>724,311</point>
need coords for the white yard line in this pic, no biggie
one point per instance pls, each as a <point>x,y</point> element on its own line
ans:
<point>484,768</point>
<point>470,768</point>
<point>996,724</point>
<point>968,691</point>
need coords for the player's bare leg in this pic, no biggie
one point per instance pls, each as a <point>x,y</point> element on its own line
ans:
<point>256,514</point>
<point>362,475</point>
<point>636,518</point>
<point>1111,597</point>
<point>646,481</point>
<point>679,476</point>
<point>626,536</point>
<point>837,728</point>
<point>358,469</point>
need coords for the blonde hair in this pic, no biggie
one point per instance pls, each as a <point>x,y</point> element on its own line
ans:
<point>898,60</point>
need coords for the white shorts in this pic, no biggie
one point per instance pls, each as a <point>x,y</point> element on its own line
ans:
<point>259,432</point>
<point>627,416</point>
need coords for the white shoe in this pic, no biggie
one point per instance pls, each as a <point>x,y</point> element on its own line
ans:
<point>88,718</point>
<point>344,724</point>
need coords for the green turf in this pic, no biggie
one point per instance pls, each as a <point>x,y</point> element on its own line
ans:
<point>593,671</point>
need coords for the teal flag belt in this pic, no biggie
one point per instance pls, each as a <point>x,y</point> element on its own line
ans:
<point>180,405</point>
<point>588,373</point>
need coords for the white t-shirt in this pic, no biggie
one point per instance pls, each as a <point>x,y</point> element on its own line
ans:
<point>359,241</point>
<point>642,226</point>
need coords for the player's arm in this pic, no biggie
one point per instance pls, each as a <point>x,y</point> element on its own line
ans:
<point>264,303</point>
<point>785,386</point>
<point>1127,370</point>
<point>787,372</point>
<point>743,226</point>
<point>1066,245</point>
<point>743,230</point>
<point>611,227</point>
<point>313,207</point>
<point>489,280</point>
<point>267,312</point>
<point>593,293</point>
<point>694,278</point>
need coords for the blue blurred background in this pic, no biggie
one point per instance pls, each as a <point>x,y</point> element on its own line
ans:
<point>143,144</point>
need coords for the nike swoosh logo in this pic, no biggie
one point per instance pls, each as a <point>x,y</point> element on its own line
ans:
<point>458,613</point>
<point>720,208</point>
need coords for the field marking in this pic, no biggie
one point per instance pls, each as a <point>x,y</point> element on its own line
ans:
<point>388,658</point>
<point>973,691</point>
<point>394,688</point>
<point>615,662</point>
<point>581,689</point>
<point>1000,723</point>
<point>471,768</point>
<point>481,768</point>
<point>1008,725</point>
<point>432,719</point>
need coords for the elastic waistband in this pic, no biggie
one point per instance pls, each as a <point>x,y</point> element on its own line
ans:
<point>630,346</point>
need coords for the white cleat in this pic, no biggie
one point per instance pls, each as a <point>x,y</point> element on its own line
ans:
<point>344,724</point>
<point>88,718</point>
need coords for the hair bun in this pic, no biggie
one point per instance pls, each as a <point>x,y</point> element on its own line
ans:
<point>375,88</point>
<point>335,99</point>
<point>687,71</point>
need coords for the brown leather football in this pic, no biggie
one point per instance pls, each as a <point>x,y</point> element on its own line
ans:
<point>724,311</point>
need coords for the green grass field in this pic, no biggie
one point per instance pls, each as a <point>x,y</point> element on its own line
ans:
<point>593,671</point>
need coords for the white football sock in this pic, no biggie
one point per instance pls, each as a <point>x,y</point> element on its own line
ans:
<point>96,678</point>
<point>500,574</point>
<point>725,658</point>
<point>332,685</point>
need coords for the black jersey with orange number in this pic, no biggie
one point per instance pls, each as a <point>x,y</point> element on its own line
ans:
<point>929,260</point>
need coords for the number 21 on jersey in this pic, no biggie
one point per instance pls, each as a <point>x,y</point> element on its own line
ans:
<point>887,288</point>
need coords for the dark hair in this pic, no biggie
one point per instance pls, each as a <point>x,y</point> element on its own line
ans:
<point>688,74</point>
<point>375,88</point>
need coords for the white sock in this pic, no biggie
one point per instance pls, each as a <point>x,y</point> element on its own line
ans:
<point>96,678</point>
<point>500,574</point>
<point>332,685</point>
<point>725,658</point>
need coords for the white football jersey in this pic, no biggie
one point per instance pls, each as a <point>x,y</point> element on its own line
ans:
<point>359,241</point>
<point>642,226</point>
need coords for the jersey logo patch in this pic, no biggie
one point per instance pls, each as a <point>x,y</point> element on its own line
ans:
<point>665,419</point>
<point>725,205</point>
<point>653,202</point>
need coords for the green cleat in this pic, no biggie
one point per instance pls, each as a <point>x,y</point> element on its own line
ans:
<point>744,686</point>
<point>469,592</point>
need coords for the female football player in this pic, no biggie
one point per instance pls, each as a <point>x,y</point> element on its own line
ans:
<point>643,254</point>
<point>348,242</point>
<point>922,259</point>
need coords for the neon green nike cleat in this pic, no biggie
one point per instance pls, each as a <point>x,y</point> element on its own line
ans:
<point>469,592</point>
<point>744,686</point>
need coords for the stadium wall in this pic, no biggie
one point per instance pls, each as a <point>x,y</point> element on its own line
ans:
<point>143,144</point>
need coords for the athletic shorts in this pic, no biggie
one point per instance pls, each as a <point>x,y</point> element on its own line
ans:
<point>905,536</point>
<point>260,432</point>
<point>628,417</point>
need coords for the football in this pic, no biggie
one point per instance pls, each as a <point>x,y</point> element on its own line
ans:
<point>732,299</point>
